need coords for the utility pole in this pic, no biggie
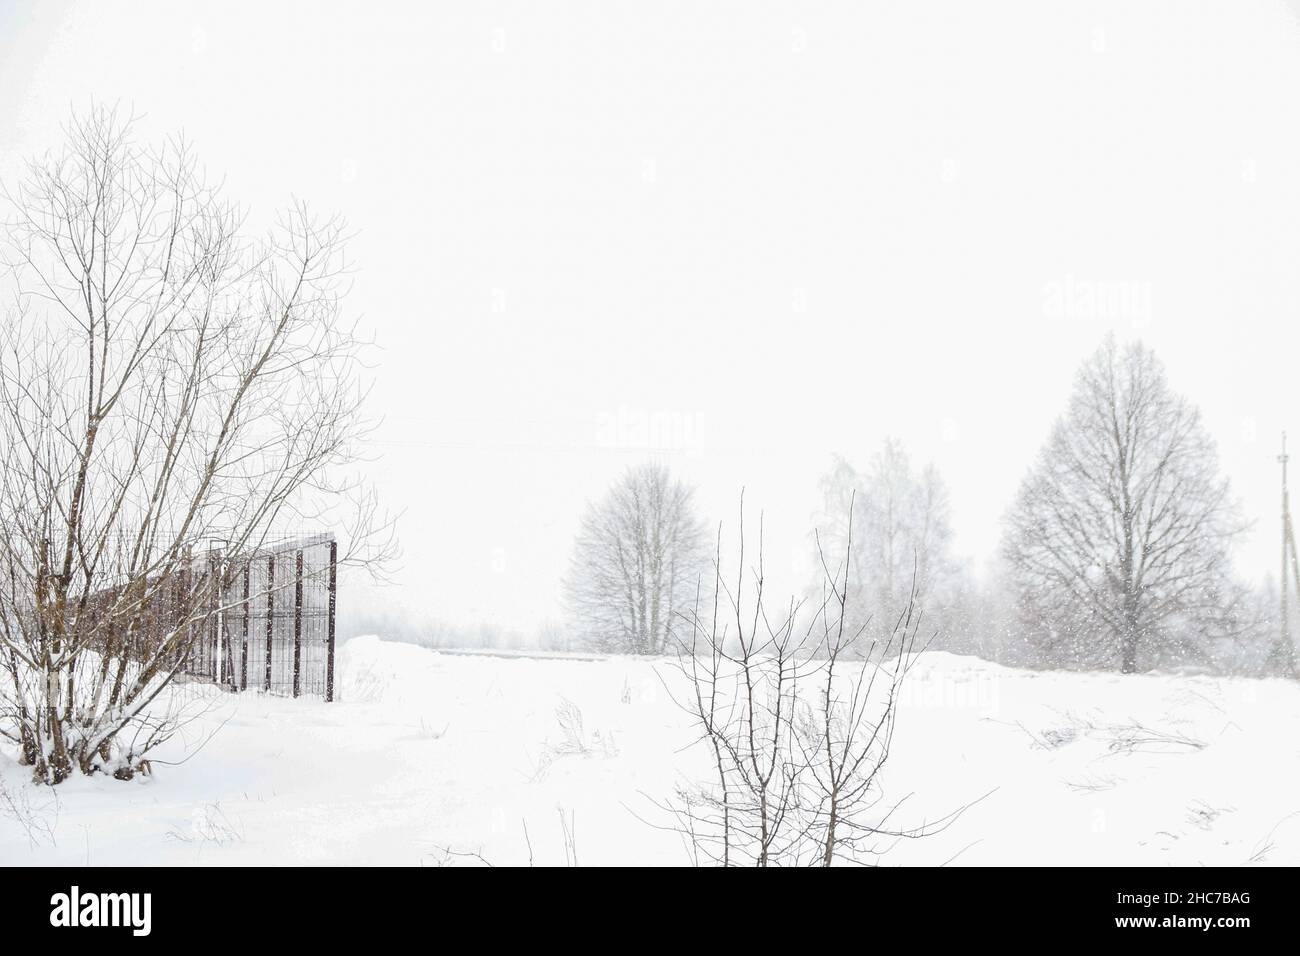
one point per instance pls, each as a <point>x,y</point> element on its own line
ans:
<point>1286,520</point>
<point>1286,649</point>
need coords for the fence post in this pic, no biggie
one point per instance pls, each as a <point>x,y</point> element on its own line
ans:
<point>227,631</point>
<point>184,655</point>
<point>243,657</point>
<point>215,630</point>
<point>270,615</point>
<point>173,621</point>
<point>297,624</point>
<point>329,651</point>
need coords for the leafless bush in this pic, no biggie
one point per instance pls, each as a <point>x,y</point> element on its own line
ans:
<point>366,687</point>
<point>1127,737</point>
<point>797,713</point>
<point>1268,843</point>
<point>1203,815</point>
<point>574,740</point>
<point>1049,738</point>
<point>1134,737</point>
<point>170,391</point>
<point>37,815</point>
<point>449,856</point>
<point>209,826</point>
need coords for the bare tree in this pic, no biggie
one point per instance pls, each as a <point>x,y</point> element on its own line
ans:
<point>1119,538</point>
<point>636,561</point>
<point>170,392</point>
<point>901,518</point>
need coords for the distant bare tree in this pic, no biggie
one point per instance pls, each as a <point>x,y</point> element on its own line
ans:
<point>636,562</point>
<point>1119,539</point>
<point>901,518</point>
<point>170,391</point>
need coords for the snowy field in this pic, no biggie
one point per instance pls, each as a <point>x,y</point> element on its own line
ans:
<point>454,759</point>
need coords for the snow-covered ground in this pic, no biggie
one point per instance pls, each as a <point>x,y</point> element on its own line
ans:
<point>430,757</point>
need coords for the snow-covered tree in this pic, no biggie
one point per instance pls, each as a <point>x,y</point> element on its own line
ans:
<point>901,520</point>
<point>638,560</point>
<point>1118,542</point>
<point>170,390</point>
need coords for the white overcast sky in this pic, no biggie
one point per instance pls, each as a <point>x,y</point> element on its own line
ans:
<point>767,231</point>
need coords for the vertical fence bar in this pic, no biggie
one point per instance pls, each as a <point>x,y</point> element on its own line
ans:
<point>329,645</point>
<point>297,625</point>
<point>207,636</point>
<point>243,657</point>
<point>172,622</point>
<point>184,654</point>
<point>270,615</point>
<point>218,664</point>
<point>227,636</point>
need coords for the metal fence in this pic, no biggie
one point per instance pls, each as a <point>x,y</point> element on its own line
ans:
<point>272,624</point>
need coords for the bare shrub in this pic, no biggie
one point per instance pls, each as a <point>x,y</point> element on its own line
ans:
<point>797,712</point>
<point>209,826</point>
<point>449,856</point>
<point>171,391</point>
<point>574,740</point>
<point>366,686</point>
<point>34,809</point>
<point>1126,737</point>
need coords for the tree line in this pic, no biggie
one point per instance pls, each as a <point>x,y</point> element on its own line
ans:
<point>1116,550</point>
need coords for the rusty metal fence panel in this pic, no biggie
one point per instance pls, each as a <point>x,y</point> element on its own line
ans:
<point>272,624</point>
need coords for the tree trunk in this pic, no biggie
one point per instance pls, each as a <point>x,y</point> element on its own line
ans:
<point>1128,643</point>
